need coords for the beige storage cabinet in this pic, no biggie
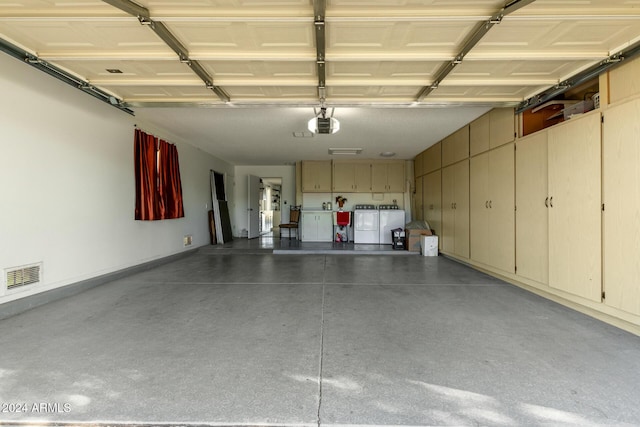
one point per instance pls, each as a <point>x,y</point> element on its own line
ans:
<point>502,127</point>
<point>623,82</point>
<point>479,135</point>
<point>418,200</point>
<point>432,159</point>
<point>575,253</point>
<point>492,130</point>
<point>492,216</point>
<point>418,165</point>
<point>387,176</point>
<point>621,178</point>
<point>351,177</point>
<point>316,176</point>
<point>432,201</point>
<point>532,202</point>
<point>455,147</point>
<point>455,209</point>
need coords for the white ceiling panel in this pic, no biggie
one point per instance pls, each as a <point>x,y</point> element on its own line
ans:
<point>250,38</point>
<point>85,39</point>
<point>417,40</point>
<point>555,38</point>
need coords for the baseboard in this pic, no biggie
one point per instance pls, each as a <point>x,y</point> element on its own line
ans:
<point>21,305</point>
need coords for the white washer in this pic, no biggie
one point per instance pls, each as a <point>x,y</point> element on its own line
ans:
<point>390,218</point>
<point>365,224</point>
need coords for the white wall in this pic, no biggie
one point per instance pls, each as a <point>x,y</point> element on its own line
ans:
<point>67,185</point>
<point>287,195</point>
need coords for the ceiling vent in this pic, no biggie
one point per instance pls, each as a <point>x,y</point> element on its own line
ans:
<point>22,276</point>
<point>345,151</point>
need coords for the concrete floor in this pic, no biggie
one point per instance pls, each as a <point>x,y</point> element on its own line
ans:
<point>239,336</point>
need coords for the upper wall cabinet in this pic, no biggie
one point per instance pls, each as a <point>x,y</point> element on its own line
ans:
<point>502,127</point>
<point>492,130</point>
<point>624,82</point>
<point>351,177</point>
<point>455,147</point>
<point>479,135</point>
<point>316,176</point>
<point>418,165</point>
<point>432,159</point>
<point>387,176</point>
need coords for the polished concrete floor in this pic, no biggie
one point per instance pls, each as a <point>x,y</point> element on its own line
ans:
<point>240,336</point>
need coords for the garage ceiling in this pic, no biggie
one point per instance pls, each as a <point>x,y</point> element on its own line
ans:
<point>239,77</point>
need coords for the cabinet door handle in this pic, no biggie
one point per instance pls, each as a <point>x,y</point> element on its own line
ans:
<point>486,204</point>
<point>551,201</point>
<point>490,204</point>
<point>546,201</point>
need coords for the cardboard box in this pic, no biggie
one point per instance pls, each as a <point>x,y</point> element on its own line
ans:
<point>413,238</point>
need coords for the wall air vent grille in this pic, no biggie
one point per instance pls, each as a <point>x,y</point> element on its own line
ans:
<point>23,276</point>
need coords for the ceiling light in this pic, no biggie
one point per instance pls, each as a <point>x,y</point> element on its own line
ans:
<point>323,124</point>
<point>387,154</point>
<point>345,151</point>
<point>114,71</point>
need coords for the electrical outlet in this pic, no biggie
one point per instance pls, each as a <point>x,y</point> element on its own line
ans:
<point>188,240</point>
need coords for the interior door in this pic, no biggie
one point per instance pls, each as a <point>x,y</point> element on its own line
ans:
<point>253,206</point>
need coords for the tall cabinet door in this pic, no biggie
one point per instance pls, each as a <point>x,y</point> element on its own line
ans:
<point>501,236</point>
<point>447,236</point>
<point>479,208</point>
<point>532,223</point>
<point>461,211</point>
<point>622,206</point>
<point>432,201</point>
<point>575,253</point>
<point>418,200</point>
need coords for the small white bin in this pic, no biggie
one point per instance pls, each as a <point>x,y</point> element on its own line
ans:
<point>429,245</point>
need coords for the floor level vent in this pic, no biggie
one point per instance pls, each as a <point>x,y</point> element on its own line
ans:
<point>23,276</point>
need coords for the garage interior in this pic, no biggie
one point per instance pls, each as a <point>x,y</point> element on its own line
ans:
<point>529,316</point>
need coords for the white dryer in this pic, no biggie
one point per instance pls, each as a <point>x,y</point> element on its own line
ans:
<point>365,224</point>
<point>390,218</point>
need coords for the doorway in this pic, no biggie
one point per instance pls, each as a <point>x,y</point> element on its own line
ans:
<point>270,207</point>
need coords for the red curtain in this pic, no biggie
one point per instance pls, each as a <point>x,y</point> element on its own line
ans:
<point>158,184</point>
<point>146,168</point>
<point>170,184</point>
